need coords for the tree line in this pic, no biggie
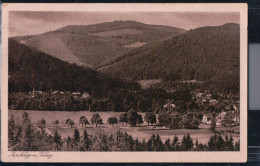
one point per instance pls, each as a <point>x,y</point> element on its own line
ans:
<point>120,100</point>
<point>23,136</point>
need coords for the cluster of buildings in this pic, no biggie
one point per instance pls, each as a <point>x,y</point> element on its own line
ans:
<point>229,116</point>
<point>222,118</point>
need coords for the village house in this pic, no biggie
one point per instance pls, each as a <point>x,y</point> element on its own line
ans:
<point>85,95</point>
<point>169,105</point>
<point>220,118</point>
<point>233,117</point>
<point>207,118</point>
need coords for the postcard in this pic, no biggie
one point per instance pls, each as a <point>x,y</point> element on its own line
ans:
<point>124,82</point>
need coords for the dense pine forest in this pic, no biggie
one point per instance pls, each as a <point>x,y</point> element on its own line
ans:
<point>31,69</point>
<point>208,54</point>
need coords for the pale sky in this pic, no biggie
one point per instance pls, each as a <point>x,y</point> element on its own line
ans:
<point>37,22</point>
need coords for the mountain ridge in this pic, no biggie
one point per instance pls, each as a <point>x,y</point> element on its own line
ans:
<point>94,45</point>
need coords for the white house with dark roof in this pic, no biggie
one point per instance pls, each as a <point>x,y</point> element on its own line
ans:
<point>207,118</point>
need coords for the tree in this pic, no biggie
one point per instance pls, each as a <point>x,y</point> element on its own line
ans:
<point>167,145</point>
<point>96,119</point>
<point>227,120</point>
<point>187,143</point>
<point>112,121</point>
<point>158,144</point>
<point>41,124</point>
<point>100,121</point>
<point>213,125</point>
<point>25,117</point>
<point>86,122</point>
<point>150,118</point>
<point>216,143</point>
<point>151,143</point>
<point>56,123</point>
<point>70,123</point>
<point>69,145</point>
<point>76,137</point>
<point>83,121</point>
<point>229,145</point>
<point>28,133</point>
<point>100,142</point>
<point>57,140</point>
<point>123,118</point>
<point>11,133</point>
<point>237,146</point>
<point>18,135</point>
<point>132,117</point>
<point>194,124</point>
<point>140,119</point>
<point>86,141</point>
<point>187,119</point>
<point>175,143</point>
<point>164,118</point>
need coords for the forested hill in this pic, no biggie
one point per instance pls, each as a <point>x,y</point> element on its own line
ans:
<point>95,45</point>
<point>207,54</point>
<point>31,69</point>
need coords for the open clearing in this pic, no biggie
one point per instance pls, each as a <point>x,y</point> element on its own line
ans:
<point>118,32</point>
<point>148,83</point>
<point>52,45</point>
<point>135,45</point>
<point>140,132</point>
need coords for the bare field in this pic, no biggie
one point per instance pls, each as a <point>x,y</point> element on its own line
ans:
<point>140,132</point>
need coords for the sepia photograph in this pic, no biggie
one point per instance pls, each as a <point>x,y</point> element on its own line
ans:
<point>124,78</point>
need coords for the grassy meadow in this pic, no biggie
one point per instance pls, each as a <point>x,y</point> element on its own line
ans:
<point>141,132</point>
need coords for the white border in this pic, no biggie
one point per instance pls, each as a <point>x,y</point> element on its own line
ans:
<point>162,157</point>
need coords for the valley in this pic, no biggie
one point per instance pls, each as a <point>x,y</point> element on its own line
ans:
<point>130,77</point>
